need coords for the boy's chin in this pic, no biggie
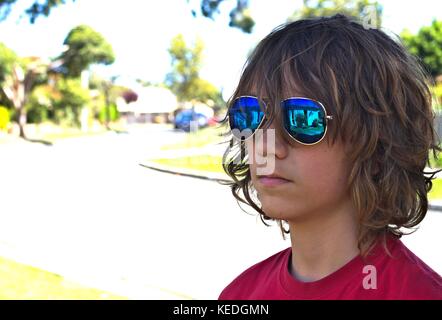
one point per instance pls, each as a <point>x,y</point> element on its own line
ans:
<point>279,211</point>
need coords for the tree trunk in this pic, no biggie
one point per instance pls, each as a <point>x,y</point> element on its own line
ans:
<point>107,106</point>
<point>22,120</point>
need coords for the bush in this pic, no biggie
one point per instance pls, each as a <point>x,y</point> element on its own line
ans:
<point>437,102</point>
<point>4,118</point>
<point>39,105</point>
<point>113,113</point>
<point>37,114</point>
<point>72,97</point>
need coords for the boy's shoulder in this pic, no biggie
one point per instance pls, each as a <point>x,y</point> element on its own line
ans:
<point>401,275</point>
<point>259,275</point>
<point>412,277</point>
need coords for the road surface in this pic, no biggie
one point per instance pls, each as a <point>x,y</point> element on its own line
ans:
<point>86,209</point>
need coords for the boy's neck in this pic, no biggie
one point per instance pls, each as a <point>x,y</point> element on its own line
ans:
<point>322,245</point>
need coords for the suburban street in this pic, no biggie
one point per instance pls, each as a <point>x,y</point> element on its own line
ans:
<point>84,208</point>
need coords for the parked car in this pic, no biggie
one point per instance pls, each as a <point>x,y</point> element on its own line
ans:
<point>183,120</point>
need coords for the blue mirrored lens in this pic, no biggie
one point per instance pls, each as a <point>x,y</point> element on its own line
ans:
<point>245,116</point>
<point>304,119</point>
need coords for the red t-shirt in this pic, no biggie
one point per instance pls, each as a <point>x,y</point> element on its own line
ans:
<point>402,276</point>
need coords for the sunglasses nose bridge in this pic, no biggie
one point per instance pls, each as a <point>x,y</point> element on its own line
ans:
<point>275,123</point>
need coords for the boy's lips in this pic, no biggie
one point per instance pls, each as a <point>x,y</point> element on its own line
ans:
<point>272,180</point>
<point>273,175</point>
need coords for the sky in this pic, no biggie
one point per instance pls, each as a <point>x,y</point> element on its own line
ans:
<point>140,32</point>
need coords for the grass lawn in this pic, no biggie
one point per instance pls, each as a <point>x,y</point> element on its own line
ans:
<point>52,137</point>
<point>214,164</point>
<point>22,282</point>
<point>436,190</point>
<point>435,163</point>
<point>201,162</point>
<point>51,132</point>
<point>70,134</point>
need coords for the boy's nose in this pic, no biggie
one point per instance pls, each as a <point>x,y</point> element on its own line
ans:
<point>270,141</point>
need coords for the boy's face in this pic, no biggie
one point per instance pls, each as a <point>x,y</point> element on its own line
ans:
<point>316,175</point>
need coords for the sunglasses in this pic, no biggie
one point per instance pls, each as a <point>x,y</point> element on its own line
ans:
<point>305,120</point>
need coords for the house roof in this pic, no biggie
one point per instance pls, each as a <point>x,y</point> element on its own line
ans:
<point>150,100</point>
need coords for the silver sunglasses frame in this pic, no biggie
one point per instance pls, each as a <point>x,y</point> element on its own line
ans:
<point>327,118</point>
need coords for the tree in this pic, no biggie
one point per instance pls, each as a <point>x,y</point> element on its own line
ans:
<point>38,8</point>
<point>368,11</point>
<point>105,104</point>
<point>17,87</point>
<point>240,16</point>
<point>427,46</point>
<point>7,60</point>
<point>18,77</point>
<point>85,46</point>
<point>106,87</point>
<point>129,96</point>
<point>365,10</point>
<point>70,100</point>
<point>184,80</point>
<point>186,64</point>
<point>205,91</point>
<point>39,106</point>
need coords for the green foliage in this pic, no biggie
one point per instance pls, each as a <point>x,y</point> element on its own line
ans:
<point>437,97</point>
<point>20,77</point>
<point>38,8</point>
<point>209,7</point>
<point>186,64</point>
<point>113,113</point>
<point>85,47</point>
<point>42,9</point>
<point>366,10</point>
<point>4,101</point>
<point>5,8</point>
<point>184,80</point>
<point>436,190</point>
<point>24,282</point>
<point>72,93</point>
<point>239,16</point>
<point>438,90</point>
<point>204,163</point>
<point>67,105</point>
<point>4,118</point>
<point>105,86</point>
<point>117,91</point>
<point>427,46</point>
<point>40,104</point>
<point>7,60</point>
<point>37,114</point>
<point>202,90</point>
<point>435,162</point>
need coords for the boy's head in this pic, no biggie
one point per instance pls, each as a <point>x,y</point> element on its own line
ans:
<point>377,144</point>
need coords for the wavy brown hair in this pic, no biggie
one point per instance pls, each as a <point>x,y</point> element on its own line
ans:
<point>381,103</point>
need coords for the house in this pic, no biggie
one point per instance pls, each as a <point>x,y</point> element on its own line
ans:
<point>154,104</point>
